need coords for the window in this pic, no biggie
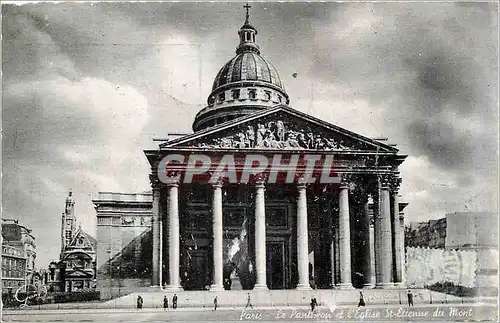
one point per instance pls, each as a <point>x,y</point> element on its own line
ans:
<point>252,94</point>
<point>236,94</point>
<point>279,98</point>
<point>211,100</point>
<point>277,217</point>
<point>267,96</point>
<point>222,97</point>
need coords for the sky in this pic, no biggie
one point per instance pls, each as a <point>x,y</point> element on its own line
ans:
<point>86,86</point>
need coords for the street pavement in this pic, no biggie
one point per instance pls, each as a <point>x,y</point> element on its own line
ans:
<point>395,313</point>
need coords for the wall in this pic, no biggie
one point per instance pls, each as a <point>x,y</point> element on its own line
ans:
<point>124,249</point>
<point>425,267</point>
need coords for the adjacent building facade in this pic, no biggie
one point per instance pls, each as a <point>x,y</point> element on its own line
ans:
<point>477,231</point>
<point>430,234</point>
<point>472,231</point>
<point>124,252</point>
<point>18,255</point>
<point>274,230</point>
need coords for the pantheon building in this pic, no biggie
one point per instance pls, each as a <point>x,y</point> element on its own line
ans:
<point>261,233</point>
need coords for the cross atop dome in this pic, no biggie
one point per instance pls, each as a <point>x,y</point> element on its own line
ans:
<point>247,35</point>
<point>247,16</point>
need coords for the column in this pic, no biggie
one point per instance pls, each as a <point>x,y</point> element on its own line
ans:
<point>337,255</point>
<point>332,260</point>
<point>372,253</point>
<point>397,240</point>
<point>344,238</point>
<point>155,270</point>
<point>260,237</point>
<point>367,248</point>
<point>173,236</point>
<point>385,254</point>
<point>377,238</point>
<point>403,249</point>
<point>333,256</point>
<point>160,239</point>
<point>302,239</point>
<point>217,237</point>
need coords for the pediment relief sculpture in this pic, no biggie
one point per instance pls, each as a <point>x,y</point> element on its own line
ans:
<point>280,134</point>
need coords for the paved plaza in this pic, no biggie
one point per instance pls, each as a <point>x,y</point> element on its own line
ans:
<point>396,313</point>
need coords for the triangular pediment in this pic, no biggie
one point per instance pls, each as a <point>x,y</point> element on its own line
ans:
<point>81,241</point>
<point>281,128</point>
<point>78,274</point>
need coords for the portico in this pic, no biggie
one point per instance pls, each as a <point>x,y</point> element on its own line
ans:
<point>295,235</point>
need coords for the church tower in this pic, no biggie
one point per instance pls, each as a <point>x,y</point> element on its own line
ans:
<point>68,224</point>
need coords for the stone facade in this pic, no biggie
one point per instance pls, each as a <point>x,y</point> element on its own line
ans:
<point>75,271</point>
<point>466,231</point>
<point>430,234</point>
<point>18,255</point>
<point>124,254</point>
<point>258,234</point>
<point>477,231</point>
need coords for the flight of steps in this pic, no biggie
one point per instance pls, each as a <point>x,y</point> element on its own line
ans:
<point>279,298</point>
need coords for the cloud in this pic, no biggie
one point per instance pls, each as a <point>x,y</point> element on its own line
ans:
<point>63,130</point>
<point>86,87</point>
<point>435,68</point>
<point>432,72</point>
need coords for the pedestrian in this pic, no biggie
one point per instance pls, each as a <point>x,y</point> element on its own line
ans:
<point>361,299</point>
<point>139,302</point>
<point>249,303</point>
<point>410,298</point>
<point>165,302</point>
<point>313,304</point>
<point>174,301</point>
<point>215,303</point>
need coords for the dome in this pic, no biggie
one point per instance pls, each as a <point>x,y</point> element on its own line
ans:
<point>247,66</point>
<point>246,84</point>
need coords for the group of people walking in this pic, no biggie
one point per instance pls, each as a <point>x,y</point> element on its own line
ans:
<point>174,302</point>
<point>140,302</point>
